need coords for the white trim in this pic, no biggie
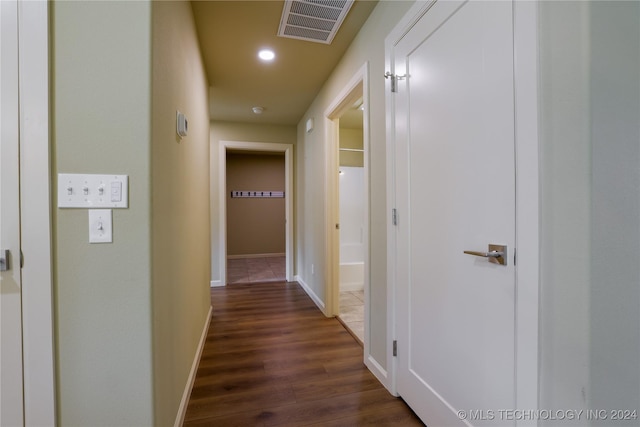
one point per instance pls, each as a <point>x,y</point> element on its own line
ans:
<point>37,294</point>
<point>392,245</point>
<point>411,18</point>
<point>216,283</point>
<point>338,106</point>
<point>342,101</point>
<point>11,310</point>
<point>315,298</point>
<point>287,149</point>
<point>186,394</point>
<point>332,215</point>
<point>406,23</point>
<point>272,255</point>
<point>378,371</point>
<point>525,16</point>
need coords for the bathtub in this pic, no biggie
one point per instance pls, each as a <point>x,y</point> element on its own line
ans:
<point>351,267</point>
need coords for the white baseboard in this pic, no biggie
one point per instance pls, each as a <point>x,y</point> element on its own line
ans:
<point>311,294</point>
<point>379,372</point>
<point>256,256</point>
<point>182,410</point>
<point>216,283</point>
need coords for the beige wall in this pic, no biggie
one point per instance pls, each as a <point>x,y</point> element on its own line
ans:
<point>180,204</point>
<point>129,314</point>
<point>367,47</point>
<point>101,113</point>
<point>255,225</point>
<point>245,132</point>
<point>354,139</point>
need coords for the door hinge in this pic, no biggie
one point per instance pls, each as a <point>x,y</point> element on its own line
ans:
<point>21,259</point>
<point>514,256</point>
<point>395,348</point>
<point>394,216</point>
<point>394,80</point>
<point>337,226</point>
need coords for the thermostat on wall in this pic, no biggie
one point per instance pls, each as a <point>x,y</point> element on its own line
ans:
<point>181,124</point>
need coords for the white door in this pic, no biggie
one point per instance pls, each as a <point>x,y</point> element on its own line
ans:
<point>455,191</point>
<point>11,371</point>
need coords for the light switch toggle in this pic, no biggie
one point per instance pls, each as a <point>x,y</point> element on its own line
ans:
<point>100,226</point>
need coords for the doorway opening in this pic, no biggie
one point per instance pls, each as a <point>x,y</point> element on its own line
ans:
<point>255,217</point>
<point>351,206</point>
<point>256,250</point>
<point>348,204</point>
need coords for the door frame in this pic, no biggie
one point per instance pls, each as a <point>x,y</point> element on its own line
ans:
<point>35,215</point>
<point>525,73</point>
<point>342,102</point>
<point>254,147</point>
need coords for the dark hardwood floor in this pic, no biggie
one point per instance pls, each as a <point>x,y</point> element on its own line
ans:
<point>272,359</point>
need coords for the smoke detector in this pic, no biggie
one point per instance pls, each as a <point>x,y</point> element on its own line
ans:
<point>313,20</point>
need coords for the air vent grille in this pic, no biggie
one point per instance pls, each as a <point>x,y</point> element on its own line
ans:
<point>313,20</point>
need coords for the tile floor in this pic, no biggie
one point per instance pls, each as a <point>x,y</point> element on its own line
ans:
<point>256,270</point>
<point>352,312</point>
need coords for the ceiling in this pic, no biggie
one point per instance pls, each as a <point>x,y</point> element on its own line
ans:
<point>232,32</point>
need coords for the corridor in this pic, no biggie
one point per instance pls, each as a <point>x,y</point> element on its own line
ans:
<point>273,359</point>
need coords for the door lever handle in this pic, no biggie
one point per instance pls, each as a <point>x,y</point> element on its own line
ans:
<point>497,254</point>
<point>492,254</point>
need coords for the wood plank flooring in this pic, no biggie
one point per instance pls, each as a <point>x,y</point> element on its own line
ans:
<point>272,359</point>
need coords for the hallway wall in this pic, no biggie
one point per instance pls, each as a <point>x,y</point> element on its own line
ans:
<point>181,247</point>
<point>368,46</point>
<point>351,138</point>
<point>100,124</point>
<point>129,314</point>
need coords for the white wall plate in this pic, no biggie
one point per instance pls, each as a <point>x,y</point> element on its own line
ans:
<point>93,191</point>
<point>100,226</point>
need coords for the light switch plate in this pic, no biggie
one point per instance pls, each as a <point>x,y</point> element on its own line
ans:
<point>100,226</point>
<point>93,191</point>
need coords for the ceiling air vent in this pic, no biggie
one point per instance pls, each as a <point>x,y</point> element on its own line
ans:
<point>313,20</point>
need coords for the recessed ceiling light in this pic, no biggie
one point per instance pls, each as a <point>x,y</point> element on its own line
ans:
<point>266,55</point>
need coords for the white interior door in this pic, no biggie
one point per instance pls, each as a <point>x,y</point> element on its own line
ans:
<point>455,191</point>
<point>11,369</point>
